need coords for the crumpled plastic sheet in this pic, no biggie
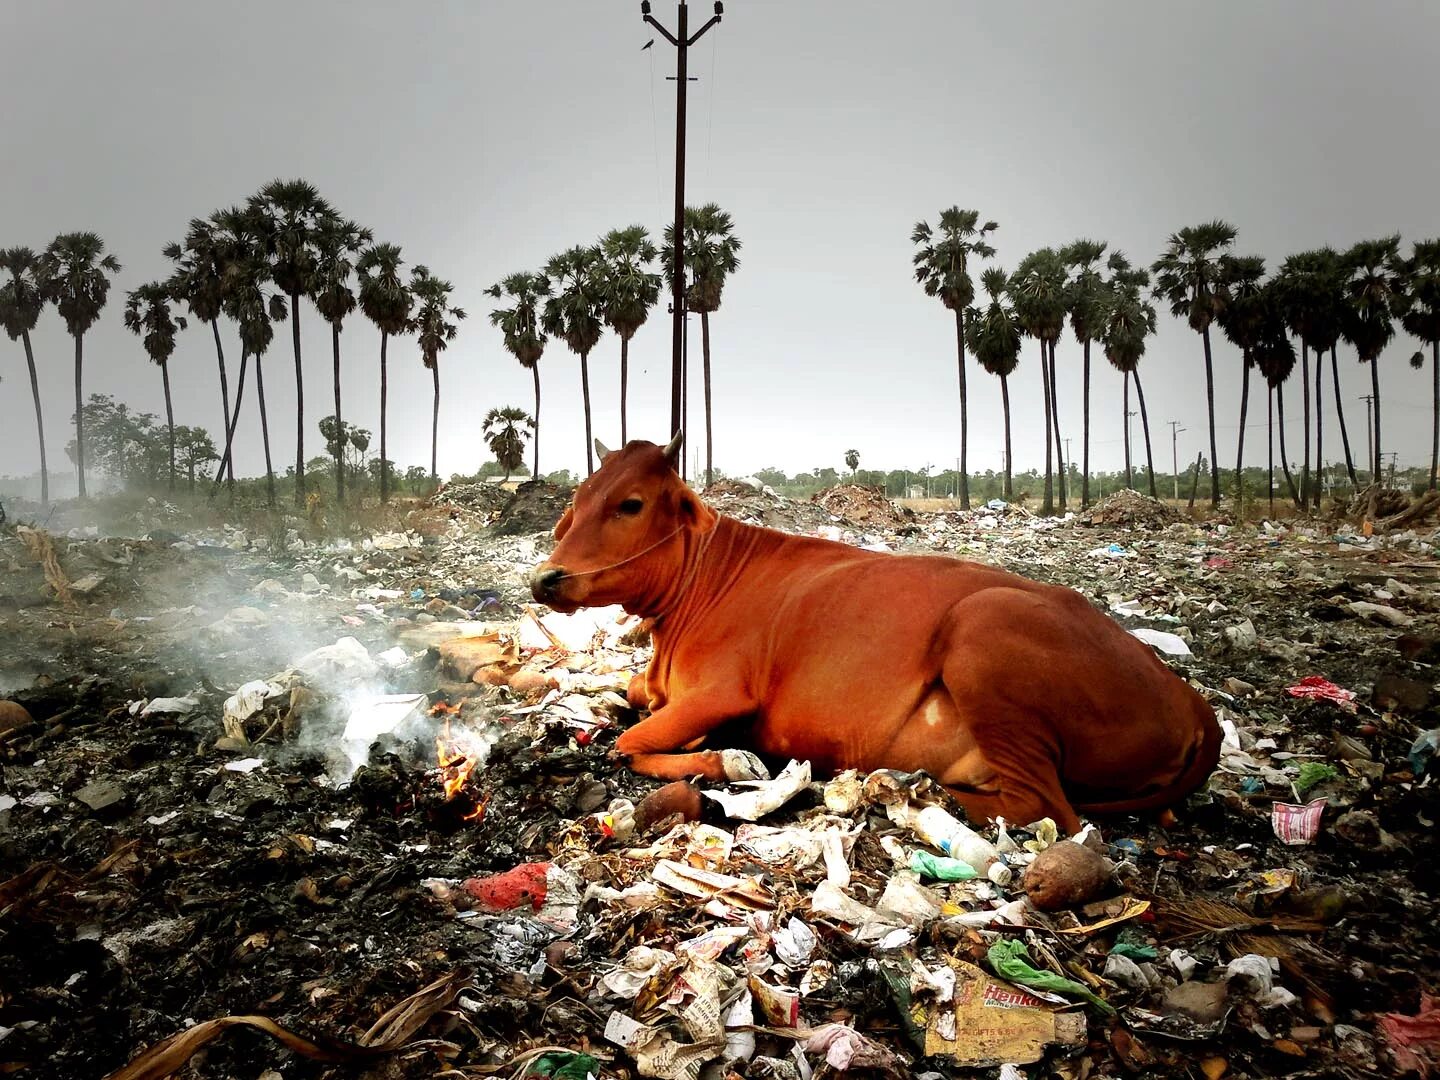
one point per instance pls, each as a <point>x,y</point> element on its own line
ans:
<point>1415,1040</point>
<point>1011,960</point>
<point>1317,687</point>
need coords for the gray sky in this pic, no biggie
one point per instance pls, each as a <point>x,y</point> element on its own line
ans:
<point>485,136</point>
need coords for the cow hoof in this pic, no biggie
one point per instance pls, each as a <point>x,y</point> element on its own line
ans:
<point>743,765</point>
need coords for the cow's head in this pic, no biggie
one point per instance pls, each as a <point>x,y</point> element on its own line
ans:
<point>624,538</point>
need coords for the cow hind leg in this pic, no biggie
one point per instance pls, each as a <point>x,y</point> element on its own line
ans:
<point>706,763</point>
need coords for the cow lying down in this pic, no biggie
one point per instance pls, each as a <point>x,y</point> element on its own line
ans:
<point>1021,698</point>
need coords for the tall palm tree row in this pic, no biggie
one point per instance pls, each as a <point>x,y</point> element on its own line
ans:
<point>1037,293</point>
<point>995,335</point>
<point>1420,316</point>
<point>338,243</point>
<point>1128,320</point>
<point>1373,294</point>
<point>1275,360</point>
<point>435,324</point>
<point>525,339</point>
<point>386,301</point>
<point>573,312</point>
<point>630,290</point>
<point>1086,297</point>
<point>1242,321</point>
<point>148,316</point>
<point>942,267</point>
<point>22,300</point>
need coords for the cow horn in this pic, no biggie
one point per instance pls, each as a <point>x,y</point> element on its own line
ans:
<point>672,449</point>
<point>600,449</point>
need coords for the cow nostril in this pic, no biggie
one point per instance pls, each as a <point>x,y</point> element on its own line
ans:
<point>544,580</point>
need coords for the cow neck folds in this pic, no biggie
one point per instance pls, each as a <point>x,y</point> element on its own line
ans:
<point>710,566</point>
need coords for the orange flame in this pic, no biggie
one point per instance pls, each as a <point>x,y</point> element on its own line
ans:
<point>455,765</point>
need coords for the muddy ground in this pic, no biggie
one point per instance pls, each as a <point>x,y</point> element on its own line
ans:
<point>148,883</point>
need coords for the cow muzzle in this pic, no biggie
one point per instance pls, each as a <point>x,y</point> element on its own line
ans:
<point>545,583</point>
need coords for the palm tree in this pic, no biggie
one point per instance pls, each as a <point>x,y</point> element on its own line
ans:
<point>630,291</point>
<point>1311,294</point>
<point>993,335</point>
<point>337,244</point>
<point>386,301</point>
<point>73,274</point>
<point>504,432</point>
<point>433,326</point>
<point>1275,360</point>
<point>1372,289</point>
<point>852,462</point>
<point>1188,277</point>
<point>292,211</point>
<point>712,254</point>
<point>942,267</point>
<point>1086,299</point>
<point>524,338</point>
<point>21,302</point>
<point>148,316</point>
<point>574,312</point>
<point>1037,291</point>
<point>1242,320</point>
<point>1128,320</point>
<point>199,280</point>
<point>1420,316</point>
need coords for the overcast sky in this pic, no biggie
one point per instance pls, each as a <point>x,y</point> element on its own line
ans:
<point>485,136</point>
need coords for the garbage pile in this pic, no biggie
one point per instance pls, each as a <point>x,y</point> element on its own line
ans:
<point>326,808</point>
<point>1130,509</point>
<point>863,507</point>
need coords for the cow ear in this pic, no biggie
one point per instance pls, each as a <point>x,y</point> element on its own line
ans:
<point>695,513</point>
<point>563,525</point>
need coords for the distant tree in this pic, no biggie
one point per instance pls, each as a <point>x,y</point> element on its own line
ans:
<point>435,330</point>
<point>524,338</point>
<point>1086,296</point>
<point>1037,292</point>
<point>994,335</point>
<point>237,246</point>
<point>195,449</point>
<point>1129,322</point>
<point>123,444</point>
<point>712,254</point>
<point>505,434</point>
<point>1242,320</point>
<point>1188,277</point>
<point>344,440</point>
<point>337,244</point>
<point>630,290</point>
<point>148,316</point>
<point>386,301</point>
<point>852,462</point>
<point>1373,291</point>
<point>942,267</point>
<point>21,302</point>
<point>74,275</point>
<point>1419,304</point>
<point>419,480</point>
<point>573,312</point>
<point>290,212</point>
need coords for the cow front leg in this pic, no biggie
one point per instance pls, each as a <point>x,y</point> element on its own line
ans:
<point>651,744</point>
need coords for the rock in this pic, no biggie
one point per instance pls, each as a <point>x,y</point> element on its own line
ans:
<point>1381,613</point>
<point>310,583</point>
<point>461,658</point>
<point>681,797</point>
<point>87,584</point>
<point>13,715</point>
<point>1396,693</point>
<point>1239,687</point>
<point>1205,1003</point>
<point>1241,638</point>
<point>103,796</point>
<point>1362,828</point>
<point>1065,875</point>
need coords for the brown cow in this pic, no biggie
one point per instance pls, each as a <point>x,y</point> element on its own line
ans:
<point>1021,698</point>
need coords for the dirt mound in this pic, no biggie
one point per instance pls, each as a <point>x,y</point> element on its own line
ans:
<point>1131,509</point>
<point>534,507</point>
<point>481,500</point>
<point>866,507</point>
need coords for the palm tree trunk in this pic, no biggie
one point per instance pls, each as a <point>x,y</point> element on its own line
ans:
<point>191,466</point>
<point>964,412</point>
<point>624,384</point>
<point>1434,408</point>
<point>585,395</point>
<point>339,424</point>
<point>299,399</point>
<point>1319,430</point>
<point>435,424</point>
<point>1125,422</point>
<point>1210,404</point>
<point>709,427</point>
<point>1375,389</point>
<point>1061,468</point>
<point>1340,415</point>
<point>1270,442</point>
<point>535,449</point>
<point>39,419</point>
<point>227,457</point>
<point>1145,426</point>
<point>1240,445</point>
<point>1284,455</point>
<point>1085,435</point>
<point>1305,411</point>
<point>384,398</point>
<point>264,431</point>
<point>1047,505</point>
<point>79,415</point>
<point>169,419</point>
<point>1005,401</point>
<point>224,384</point>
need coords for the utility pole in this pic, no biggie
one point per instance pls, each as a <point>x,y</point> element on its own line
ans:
<point>682,39</point>
<point>1175,430</point>
<point>1370,438</point>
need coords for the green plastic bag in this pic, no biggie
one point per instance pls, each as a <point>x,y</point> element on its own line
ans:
<point>1011,960</point>
<point>941,868</point>
<point>1135,952</point>
<point>559,1065</point>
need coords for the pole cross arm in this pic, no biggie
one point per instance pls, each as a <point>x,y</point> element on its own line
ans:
<point>700,33</point>
<point>665,33</point>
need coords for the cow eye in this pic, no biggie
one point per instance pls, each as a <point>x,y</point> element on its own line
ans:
<point>630,507</point>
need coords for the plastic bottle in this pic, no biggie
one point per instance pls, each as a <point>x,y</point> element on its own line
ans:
<point>954,838</point>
